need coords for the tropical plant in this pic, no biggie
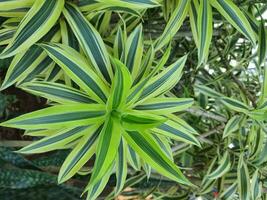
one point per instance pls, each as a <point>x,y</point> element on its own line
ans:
<point>104,119</point>
<point>27,24</point>
<point>124,79</point>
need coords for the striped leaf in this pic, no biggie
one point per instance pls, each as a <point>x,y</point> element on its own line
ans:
<point>68,36</point>
<point>164,143</point>
<point>243,180</point>
<point>207,91</point>
<point>182,124</point>
<point>133,159</point>
<point>38,21</point>
<point>23,64</point>
<point>11,22</point>
<point>231,126</point>
<point>262,49</point>
<point>257,143</point>
<point>164,106</point>
<point>117,5</point>
<point>90,41</point>
<point>174,23</point>
<point>147,74</point>
<point>258,114</point>
<point>235,105</point>
<point>151,152</point>
<point>173,130</point>
<point>6,5</point>
<point>120,87</point>
<point>256,186</point>
<point>121,167</point>
<point>205,29</point>
<point>164,81</point>
<point>119,44</point>
<point>136,120</point>
<point>42,132</point>
<point>235,16</point>
<point>134,51</point>
<point>263,96</point>
<point>79,155</point>
<point>193,16</point>
<point>78,69</point>
<point>107,148</point>
<point>55,141</point>
<point>223,167</point>
<point>6,35</point>
<point>59,116</point>
<point>146,65</point>
<point>229,192</point>
<point>56,92</point>
<point>94,190</point>
<point>17,12</point>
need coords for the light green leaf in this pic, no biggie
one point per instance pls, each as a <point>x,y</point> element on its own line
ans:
<point>231,126</point>
<point>173,130</point>
<point>121,167</point>
<point>256,186</point>
<point>24,64</point>
<point>164,106</point>
<point>193,16</point>
<point>107,148</point>
<point>90,41</point>
<point>137,120</point>
<point>82,152</point>
<point>134,51</point>
<point>38,21</point>
<point>262,49</point>
<point>223,167</point>
<point>55,141</point>
<point>79,70</point>
<point>235,105</point>
<point>151,152</point>
<point>174,23</point>
<point>205,30</point>
<point>235,16</point>
<point>164,81</point>
<point>59,116</point>
<point>56,92</point>
<point>243,179</point>
<point>120,87</point>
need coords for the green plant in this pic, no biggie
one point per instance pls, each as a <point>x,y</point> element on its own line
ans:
<point>119,89</point>
<point>104,119</point>
<point>27,24</point>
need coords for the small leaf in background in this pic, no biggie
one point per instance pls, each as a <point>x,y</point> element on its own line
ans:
<point>231,126</point>
<point>256,186</point>
<point>235,105</point>
<point>262,49</point>
<point>223,167</point>
<point>243,179</point>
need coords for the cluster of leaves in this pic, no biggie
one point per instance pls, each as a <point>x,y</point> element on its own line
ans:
<point>114,93</point>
